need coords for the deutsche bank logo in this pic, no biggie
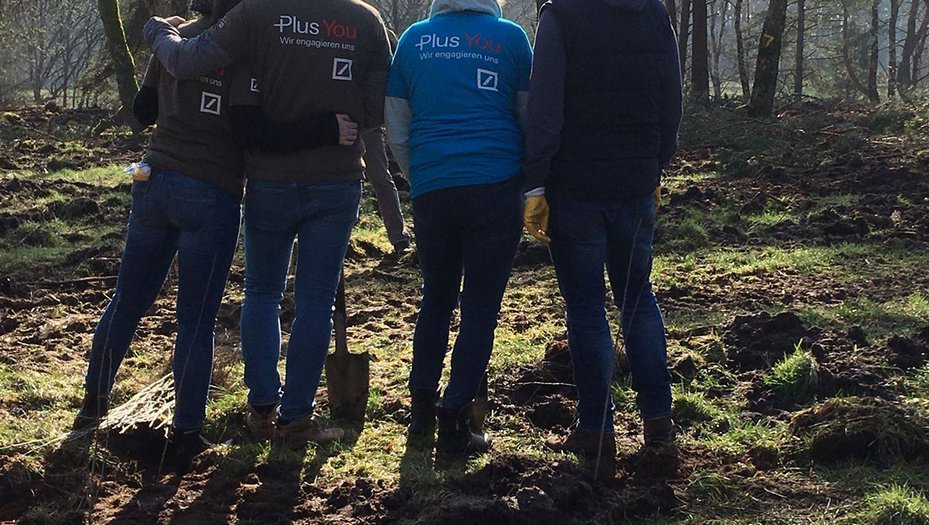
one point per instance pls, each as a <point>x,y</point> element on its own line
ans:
<point>209,103</point>
<point>487,80</point>
<point>254,86</point>
<point>342,69</point>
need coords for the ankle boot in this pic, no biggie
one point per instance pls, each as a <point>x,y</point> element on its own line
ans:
<point>93,408</point>
<point>422,414</point>
<point>659,432</point>
<point>456,435</point>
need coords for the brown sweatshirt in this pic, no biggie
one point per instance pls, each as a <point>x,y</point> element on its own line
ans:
<point>194,136</point>
<point>310,57</point>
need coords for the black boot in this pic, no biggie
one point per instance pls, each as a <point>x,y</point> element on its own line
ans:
<point>422,415</point>
<point>456,436</point>
<point>183,447</point>
<point>93,408</point>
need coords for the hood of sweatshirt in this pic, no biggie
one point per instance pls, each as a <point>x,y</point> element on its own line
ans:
<point>628,5</point>
<point>490,7</point>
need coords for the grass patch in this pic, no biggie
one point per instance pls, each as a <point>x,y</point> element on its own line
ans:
<point>879,319</point>
<point>894,505</point>
<point>794,377</point>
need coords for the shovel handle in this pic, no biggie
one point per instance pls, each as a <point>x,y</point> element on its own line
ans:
<point>339,317</point>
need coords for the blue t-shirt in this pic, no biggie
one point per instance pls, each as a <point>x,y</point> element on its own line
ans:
<point>461,73</point>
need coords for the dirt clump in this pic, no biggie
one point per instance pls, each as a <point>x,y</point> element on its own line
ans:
<point>905,353</point>
<point>858,428</point>
<point>757,341</point>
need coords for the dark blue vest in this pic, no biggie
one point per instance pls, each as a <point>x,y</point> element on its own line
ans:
<point>613,95</point>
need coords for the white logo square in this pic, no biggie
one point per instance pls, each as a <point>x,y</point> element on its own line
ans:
<point>342,69</point>
<point>254,86</point>
<point>209,103</point>
<point>487,80</point>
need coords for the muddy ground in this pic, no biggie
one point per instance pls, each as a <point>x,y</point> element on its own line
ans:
<point>822,180</point>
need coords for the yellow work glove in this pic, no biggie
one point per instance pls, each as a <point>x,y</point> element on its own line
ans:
<point>535,218</point>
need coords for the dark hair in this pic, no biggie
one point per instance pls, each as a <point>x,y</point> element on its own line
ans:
<point>220,8</point>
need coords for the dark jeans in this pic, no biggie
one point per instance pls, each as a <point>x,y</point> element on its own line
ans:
<point>469,231</point>
<point>171,215</point>
<point>586,237</point>
<point>320,217</point>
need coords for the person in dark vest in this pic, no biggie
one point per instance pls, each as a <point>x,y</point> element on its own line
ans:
<point>603,118</point>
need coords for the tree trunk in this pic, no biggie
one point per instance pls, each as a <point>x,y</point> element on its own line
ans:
<point>672,12</point>
<point>122,58</point>
<point>700,65</point>
<point>683,35</point>
<point>905,72</point>
<point>769,56</point>
<point>892,48</point>
<point>740,51</point>
<point>873,51</point>
<point>921,37</point>
<point>717,37</point>
<point>801,41</point>
<point>847,57</point>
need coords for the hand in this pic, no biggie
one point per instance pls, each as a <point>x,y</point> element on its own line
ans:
<point>535,218</point>
<point>175,21</point>
<point>348,130</point>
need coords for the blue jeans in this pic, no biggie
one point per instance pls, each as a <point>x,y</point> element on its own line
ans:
<point>172,214</point>
<point>320,217</point>
<point>585,237</point>
<point>469,231</point>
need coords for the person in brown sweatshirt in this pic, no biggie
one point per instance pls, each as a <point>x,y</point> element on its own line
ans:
<point>187,206</point>
<point>307,58</point>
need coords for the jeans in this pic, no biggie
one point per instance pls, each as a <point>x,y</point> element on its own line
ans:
<point>469,231</point>
<point>378,174</point>
<point>171,214</point>
<point>585,237</point>
<point>320,217</point>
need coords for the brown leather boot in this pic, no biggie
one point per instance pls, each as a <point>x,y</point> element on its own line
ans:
<point>659,432</point>
<point>595,450</point>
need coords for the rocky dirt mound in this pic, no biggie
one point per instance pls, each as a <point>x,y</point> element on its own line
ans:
<point>757,341</point>
<point>858,428</point>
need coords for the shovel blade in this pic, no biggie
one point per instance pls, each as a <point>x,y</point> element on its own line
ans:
<point>347,379</point>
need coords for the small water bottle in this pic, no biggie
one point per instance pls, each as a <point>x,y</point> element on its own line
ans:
<point>140,171</point>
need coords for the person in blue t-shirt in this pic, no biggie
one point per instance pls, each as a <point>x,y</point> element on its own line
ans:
<point>455,99</point>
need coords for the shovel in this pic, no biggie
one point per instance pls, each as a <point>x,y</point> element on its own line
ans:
<point>347,374</point>
<point>479,407</point>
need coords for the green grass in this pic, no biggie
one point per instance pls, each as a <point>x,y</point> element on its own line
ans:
<point>794,377</point>
<point>895,505</point>
<point>878,318</point>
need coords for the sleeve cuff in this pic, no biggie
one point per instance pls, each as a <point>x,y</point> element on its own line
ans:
<point>535,192</point>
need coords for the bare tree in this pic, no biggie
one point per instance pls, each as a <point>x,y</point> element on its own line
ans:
<point>769,56</point>
<point>700,72</point>
<point>740,51</point>
<point>873,51</point>
<point>801,41</point>
<point>892,48</point>
<point>719,19</point>
<point>122,59</point>
<point>683,35</point>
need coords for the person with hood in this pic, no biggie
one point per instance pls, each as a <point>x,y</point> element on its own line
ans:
<point>604,113</point>
<point>307,58</point>
<point>456,94</point>
<point>187,206</point>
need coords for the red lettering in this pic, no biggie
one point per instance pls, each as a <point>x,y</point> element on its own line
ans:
<point>337,30</point>
<point>479,42</point>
